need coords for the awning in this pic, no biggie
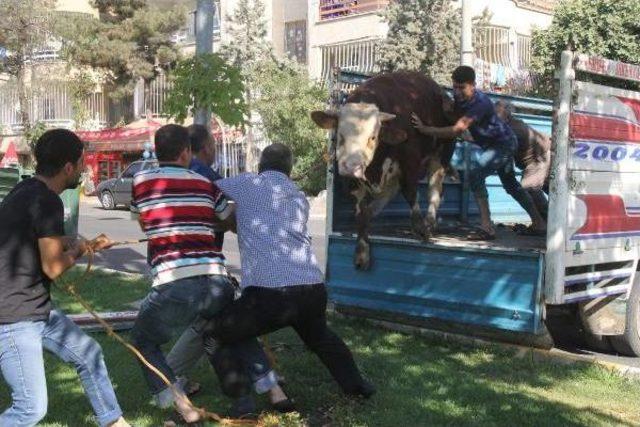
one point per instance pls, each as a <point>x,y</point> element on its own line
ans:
<point>128,138</point>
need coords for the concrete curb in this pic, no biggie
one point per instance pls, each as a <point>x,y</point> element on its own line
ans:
<point>554,355</point>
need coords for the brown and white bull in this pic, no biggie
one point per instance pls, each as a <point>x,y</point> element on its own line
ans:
<point>378,148</point>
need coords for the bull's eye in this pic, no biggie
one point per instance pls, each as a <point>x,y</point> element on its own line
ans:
<point>371,142</point>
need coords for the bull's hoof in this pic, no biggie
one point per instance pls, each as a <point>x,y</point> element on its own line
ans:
<point>423,232</point>
<point>362,258</point>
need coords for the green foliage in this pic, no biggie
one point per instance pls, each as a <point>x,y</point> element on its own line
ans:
<point>25,26</point>
<point>424,35</point>
<point>208,82</point>
<point>247,28</point>
<point>130,41</point>
<point>82,85</point>
<point>32,133</point>
<point>287,96</point>
<point>608,28</point>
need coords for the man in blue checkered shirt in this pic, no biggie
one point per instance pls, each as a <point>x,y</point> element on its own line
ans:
<point>282,284</point>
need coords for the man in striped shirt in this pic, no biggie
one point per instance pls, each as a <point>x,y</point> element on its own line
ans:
<point>177,209</point>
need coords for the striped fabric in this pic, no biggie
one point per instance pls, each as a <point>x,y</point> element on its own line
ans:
<point>177,208</point>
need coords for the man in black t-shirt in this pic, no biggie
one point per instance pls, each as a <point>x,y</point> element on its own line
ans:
<point>33,252</point>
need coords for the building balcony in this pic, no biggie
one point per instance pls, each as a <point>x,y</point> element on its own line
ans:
<point>333,9</point>
<point>546,6</point>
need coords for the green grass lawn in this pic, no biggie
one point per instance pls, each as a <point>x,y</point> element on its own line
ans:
<point>421,381</point>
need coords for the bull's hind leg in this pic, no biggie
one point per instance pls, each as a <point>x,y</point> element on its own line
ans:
<point>362,256</point>
<point>436,173</point>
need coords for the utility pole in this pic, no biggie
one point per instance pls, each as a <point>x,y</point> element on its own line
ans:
<point>204,45</point>
<point>466,45</point>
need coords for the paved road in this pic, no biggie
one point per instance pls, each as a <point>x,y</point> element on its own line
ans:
<point>118,225</point>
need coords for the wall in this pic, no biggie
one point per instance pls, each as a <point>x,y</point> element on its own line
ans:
<point>340,30</point>
<point>76,6</point>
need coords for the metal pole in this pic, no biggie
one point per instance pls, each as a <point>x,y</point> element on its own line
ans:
<point>204,45</point>
<point>559,184</point>
<point>466,42</point>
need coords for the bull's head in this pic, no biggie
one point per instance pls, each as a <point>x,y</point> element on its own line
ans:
<point>359,127</point>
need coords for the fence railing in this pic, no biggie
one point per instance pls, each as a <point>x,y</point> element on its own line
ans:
<point>502,46</point>
<point>149,97</point>
<point>49,102</point>
<point>332,9</point>
<point>492,44</point>
<point>361,56</point>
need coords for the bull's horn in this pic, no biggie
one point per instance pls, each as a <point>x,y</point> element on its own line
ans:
<point>385,117</point>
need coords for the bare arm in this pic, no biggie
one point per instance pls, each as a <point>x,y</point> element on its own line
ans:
<point>55,259</point>
<point>447,132</point>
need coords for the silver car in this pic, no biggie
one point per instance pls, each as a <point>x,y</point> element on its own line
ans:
<point>117,191</point>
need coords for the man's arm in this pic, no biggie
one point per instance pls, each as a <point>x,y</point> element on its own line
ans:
<point>462,125</point>
<point>54,259</point>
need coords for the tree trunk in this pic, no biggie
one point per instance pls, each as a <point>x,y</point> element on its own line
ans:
<point>249,159</point>
<point>23,99</point>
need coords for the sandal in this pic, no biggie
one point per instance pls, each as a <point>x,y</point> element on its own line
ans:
<point>480,235</point>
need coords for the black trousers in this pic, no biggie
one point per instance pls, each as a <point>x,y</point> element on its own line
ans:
<point>260,311</point>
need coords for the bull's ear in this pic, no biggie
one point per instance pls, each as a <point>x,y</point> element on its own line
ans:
<point>385,117</point>
<point>325,119</point>
<point>392,135</point>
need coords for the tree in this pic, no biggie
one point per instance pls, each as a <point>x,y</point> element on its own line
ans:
<point>26,27</point>
<point>207,82</point>
<point>287,96</point>
<point>249,46</point>
<point>608,28</point>
<point>424,35</point>
<point>129,41</point>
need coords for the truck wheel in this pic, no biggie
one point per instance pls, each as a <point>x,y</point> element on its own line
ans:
<point>595,342</point>
<point>106,199</point>
<point>628,344</point>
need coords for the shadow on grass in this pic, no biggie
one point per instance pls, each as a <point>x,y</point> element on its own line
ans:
<point>420,382</point>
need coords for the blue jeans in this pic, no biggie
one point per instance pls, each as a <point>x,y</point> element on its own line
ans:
<point>177,305</point>
<point>498,158</point>
<point>22,364</point>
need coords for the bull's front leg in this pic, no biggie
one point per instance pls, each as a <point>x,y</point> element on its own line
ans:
<point>436,173</point>
<point>410,193</point>
<point>362,256</point>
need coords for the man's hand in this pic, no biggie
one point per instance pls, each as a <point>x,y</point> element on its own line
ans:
<point>420,127</point>
<point>78,247</point>
<point>100,243</point>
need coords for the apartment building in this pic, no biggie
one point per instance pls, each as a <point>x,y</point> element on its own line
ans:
<point>345,34</point>
<point>320,34</point>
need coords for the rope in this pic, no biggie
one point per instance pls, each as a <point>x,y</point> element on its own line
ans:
<point>71,289</point>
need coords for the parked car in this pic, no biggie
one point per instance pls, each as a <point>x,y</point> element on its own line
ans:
<point>117,191</point>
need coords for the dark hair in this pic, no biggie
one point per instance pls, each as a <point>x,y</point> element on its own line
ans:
<point>276,157</point>
<point>464,74</point>
<point>170,141</point>
<point>198,137</point>
<point>54,149</point>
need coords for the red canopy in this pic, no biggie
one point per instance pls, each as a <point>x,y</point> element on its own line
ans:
<point>126,138</point>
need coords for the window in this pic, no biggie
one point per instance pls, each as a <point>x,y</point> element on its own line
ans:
<point>295,40</point>
<point>132,170</point>
<point>48,109</point>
